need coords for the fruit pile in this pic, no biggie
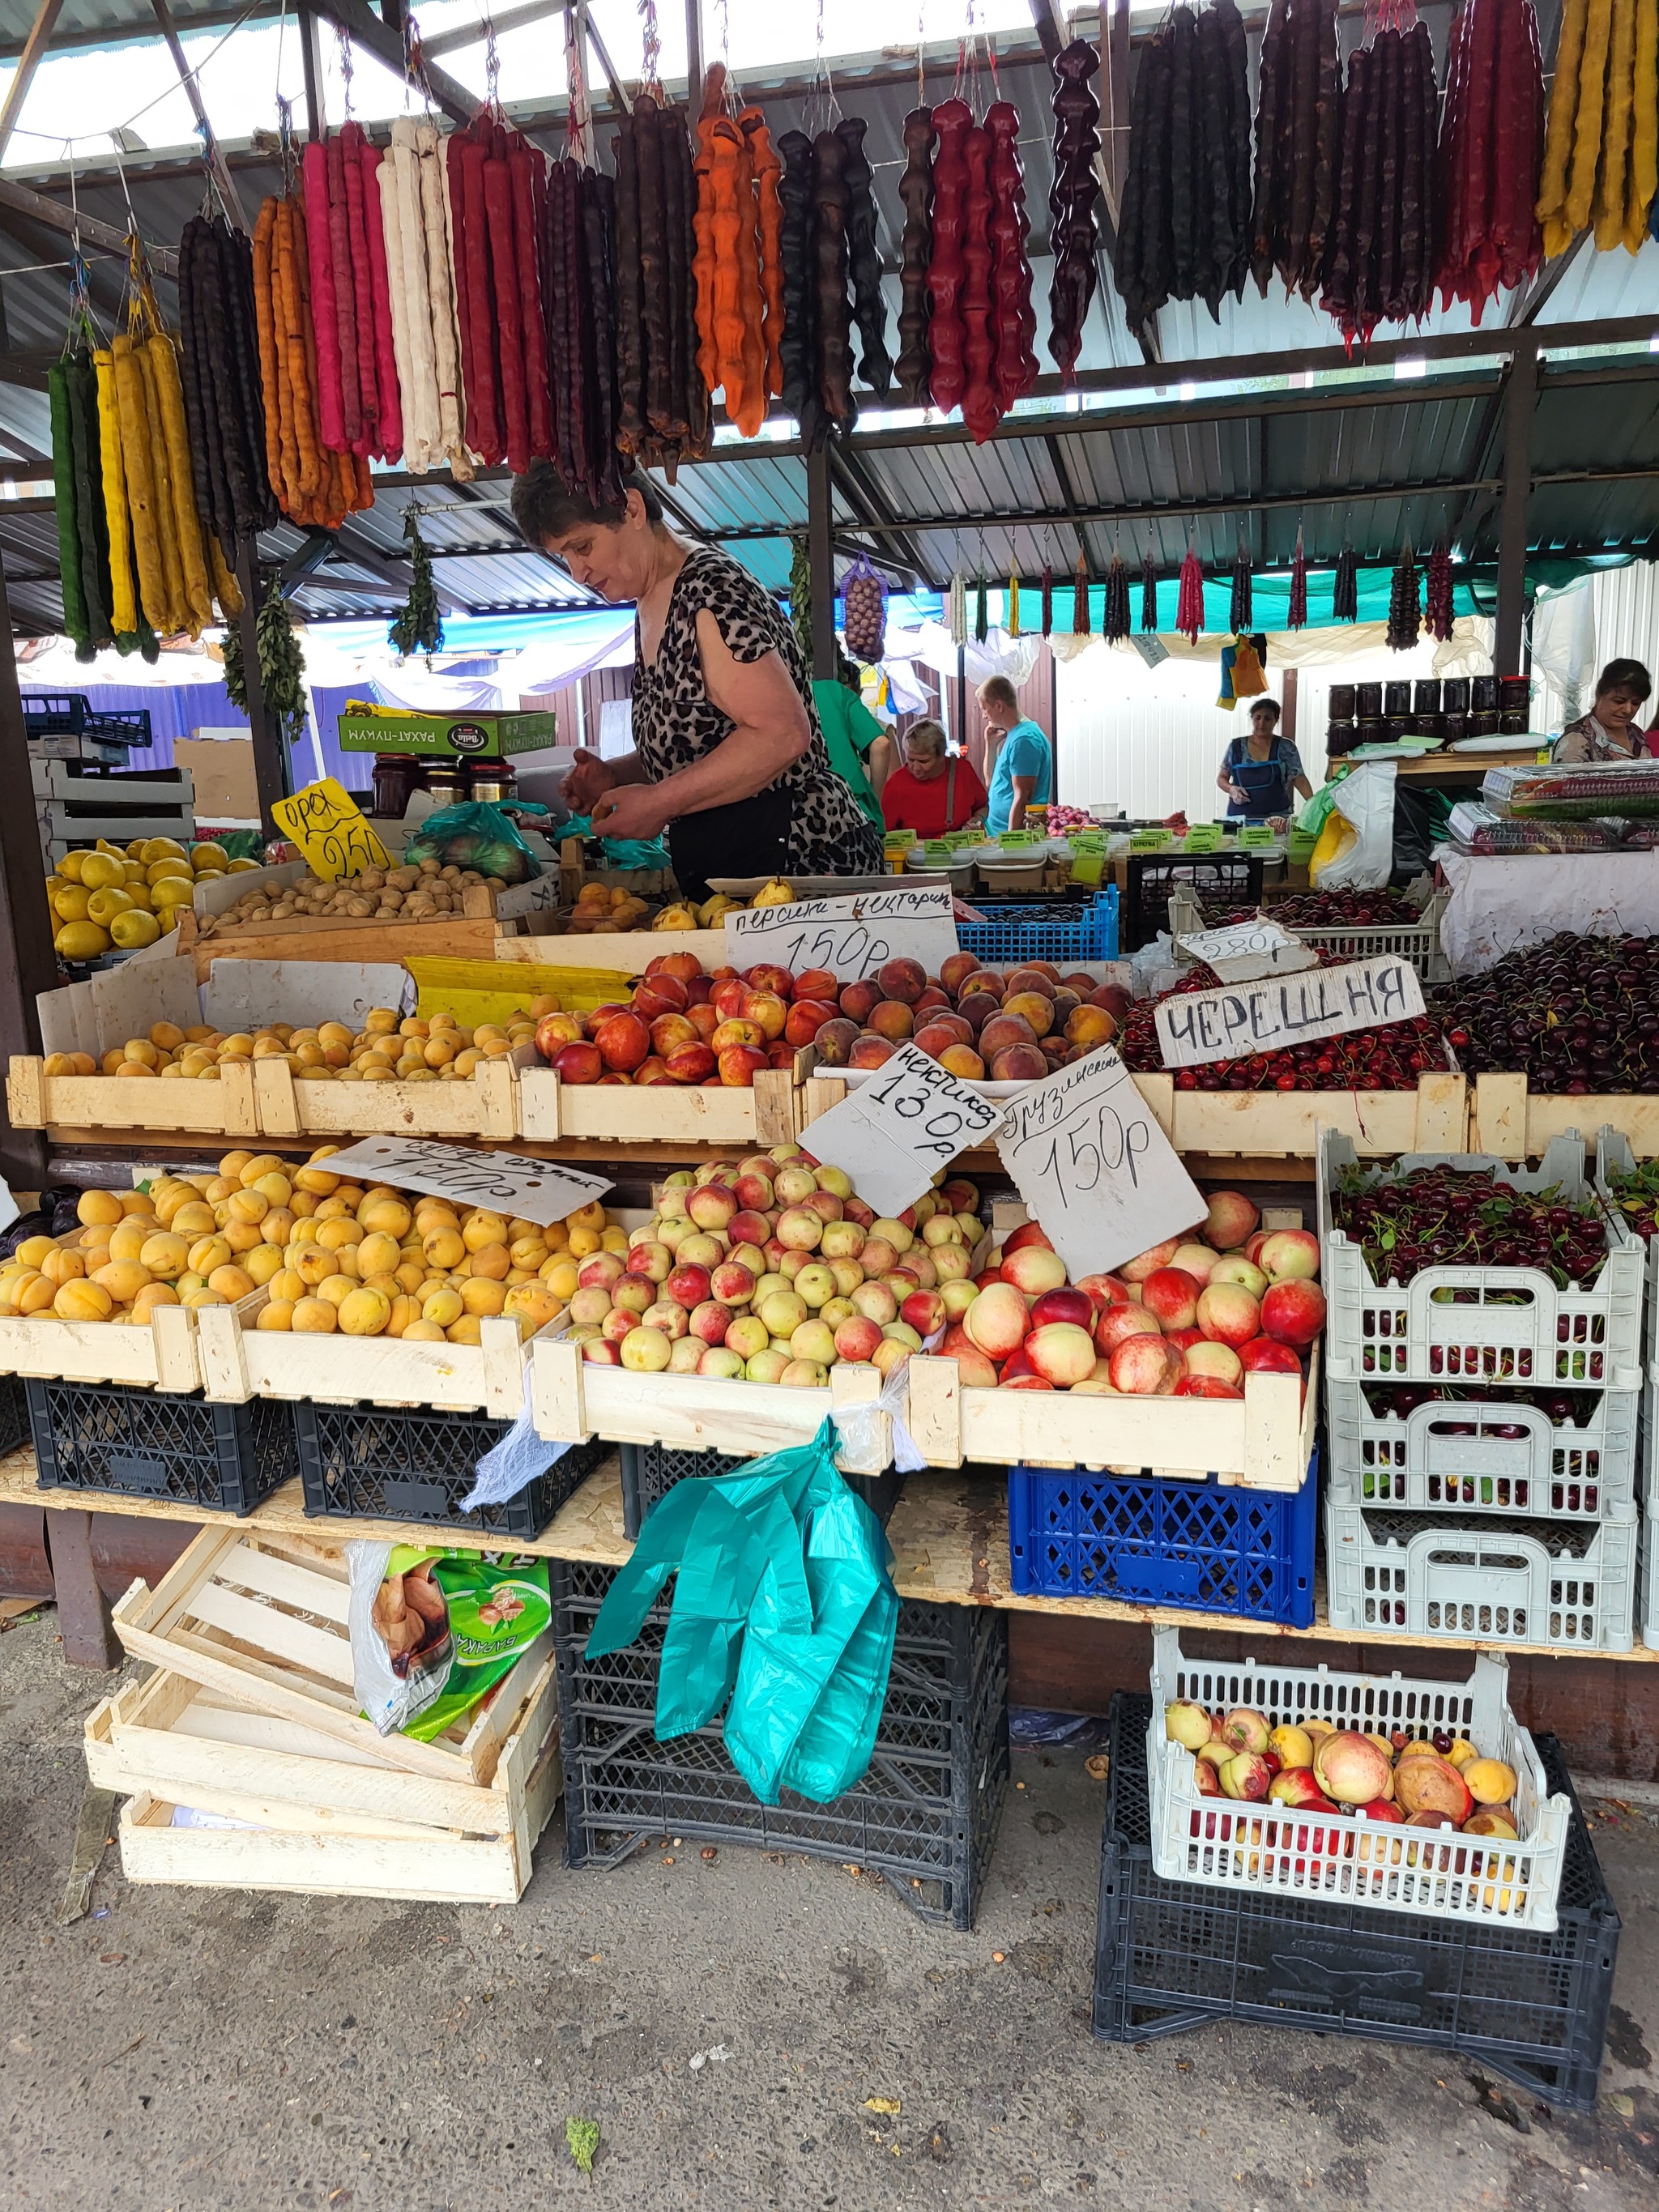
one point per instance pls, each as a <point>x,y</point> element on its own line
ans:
<point>1188,1319</point>
<point>1057,819</point>
<point>605,912</point>
<point>330,1255</point>
<point>684,1026</point>
<point>1636,1193</point>
<point>390,1047</point>
<point>1449,1217</point>
<point>414,893</point>
<point>771,1270</point>
<point>1378,909</point>
<point>1438,1782</point>
<point>105,898</point>
<point>1390,1057</point>
<point>1576,1015</point>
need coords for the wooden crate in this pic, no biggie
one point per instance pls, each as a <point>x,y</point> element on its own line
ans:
<point>321,937</point>
<point>95,1017</point>
<point>1263,1441</point>
<point>662,1113</point>
<point>1515,1123</point>
<point>323,1820</point>
<point>1286,1124</point>
<point>483,1105</point>
<point>162,1355</point>
<point>239,1360</point>
<point>537,938</point>
<point>261,1620</point>
<point>573,1398</point>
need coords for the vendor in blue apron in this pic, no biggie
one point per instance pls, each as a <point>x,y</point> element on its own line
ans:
<point>1262,774</point>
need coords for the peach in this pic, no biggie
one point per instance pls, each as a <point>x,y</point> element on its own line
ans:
<point>1088,1028</point>
<point>1261,1356</point>
<point>955,969</point>
<point>1034,1270</point>
<point>669,1030</point>
<point>577,1063</point>
<point>766,1365</point>
<point>936,1036</point>
<point>747,1335</point>
<point>711,1206</point>
<point>978,1007</point>
<point>842,1240</point>
<point>924,1309</point>
<point>732,1284</point>
<point>856,1000</point>
<point>737,1031</point>
<point>800,1229</point>
<point>1019,1063</point>
<point>1218,1363</point>
<point>766,1010</point>
<point>805,1375</point>
<point>1061,1352</point>
<point>904,979</point>
<point>645,1351</point>
<point>815,1284</point>
<point>998,1321</point>
<point>1293,1312</point>
<point>834,1040</point>
<point>1064,1304</point>
<point>1119,1323</point>
<point>964,1062</point>
<point>622,1041</point>
<point>1033,1008</point>
<point>720,1361</point>
<point>1146,1367</point>
<point>688,1286</point>
<point>1234,1268</point>
<point>1426,1782</point>
<point>1104,1290</point>
<point>685,965</point>
<point>668,1319</point>
<point>816,983</point>
<point>875,1302</point>
<point>1227,1314</point>
<point>857,1338</point>
<point>1195,1260</point>
<point>1003,1029</point>
<point>871,1051</point>
<point>1148,1262</point>
<point>1230,1219</point>
<point>1350,1768</point>
<point>1289,1255</point>
<point>652,1260</point>
<point>1172,1296</point>
<point>892,1018</point>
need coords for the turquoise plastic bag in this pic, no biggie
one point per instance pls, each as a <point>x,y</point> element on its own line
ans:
<point>619,852</point>
<point>784,1614</point>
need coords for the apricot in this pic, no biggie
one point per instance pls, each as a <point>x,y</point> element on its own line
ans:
<point>101,1208</point>
<point>365,1312</point>
<point>276,1314</point>
<point>481,1295</point>
<point>314,1317</point>
<point>231,1283</point>
<point>82,1301</point>
<point>152,1295</point>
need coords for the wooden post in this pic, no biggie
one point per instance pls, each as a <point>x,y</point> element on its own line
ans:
<point>1521,401</point>
<point>821,559</point>
<point>27,963</point>
<point>89,1639</point>
<point>270,769</point>
<point>22,77</point>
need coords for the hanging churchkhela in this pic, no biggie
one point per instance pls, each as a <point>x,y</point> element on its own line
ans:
<point>1405,614</point>
<point>315,476</point>
<point>1439,611</point>
<point>421,284</point>
<point>1189,604</point>
<point>1298,133</point>
<point>662,400</point>
<point>980,336</point>
<point>1114,617</point>
<point>1297,614</point>
<point>579,303</point>
<point>1072,198</point>
<point>1148,597</point>
<point>1602,153</point>
<point>914,364</point>
<point>1491,143</point>
<point>221,373</point>
<point>1379,266</point>
<point>1345,587</point>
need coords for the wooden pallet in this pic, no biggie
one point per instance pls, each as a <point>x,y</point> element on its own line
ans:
<point>1515,1123</point>
<point>573,1398</point>
<point>162,1355</point>
<point>691,1113</point>
<point>485,1104</point>
<point>261,1620</point>
<point>1263,1441</point>
<point>331,1820</point>
<point>239,1360</point>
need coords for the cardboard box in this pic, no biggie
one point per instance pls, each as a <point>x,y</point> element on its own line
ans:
<point>222,769</point>
<point>448,737</point>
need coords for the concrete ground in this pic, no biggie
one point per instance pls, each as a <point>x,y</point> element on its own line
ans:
<point>746,2031</point>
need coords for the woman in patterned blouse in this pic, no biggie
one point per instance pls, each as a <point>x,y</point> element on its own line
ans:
<point>729,759</point>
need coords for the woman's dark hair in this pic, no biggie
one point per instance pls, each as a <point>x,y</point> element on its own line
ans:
<point>1624,676</point>
<point>545,506</point>
<point>1267,707</point>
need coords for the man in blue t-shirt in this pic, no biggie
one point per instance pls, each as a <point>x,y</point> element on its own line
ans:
<point>1024,776</point>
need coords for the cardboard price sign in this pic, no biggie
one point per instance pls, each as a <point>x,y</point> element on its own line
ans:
<point>1094,1168</point>
<point>1272,1015</point>
<point>331,830</point>
<point>850,937</point>
<point>538,1190</point>
<point>1244,950</point>
<point>894,1134</point>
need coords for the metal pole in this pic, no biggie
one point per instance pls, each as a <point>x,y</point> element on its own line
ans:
<point>270,779</point>
<point>1519,405</point>
<point>693,59</point>
<point>215,160</point>
<point>311,56</point>
<point>27,963</point>
<point>821,559</point>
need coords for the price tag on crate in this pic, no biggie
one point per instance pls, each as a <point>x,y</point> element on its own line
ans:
<point>540,1190</point>
<point>1279,1011</point>
<point>331,831</point>
<point>1094,1168</point>
<point>895,1131</point>
<point>850,937</point>
<point>1244,950</point>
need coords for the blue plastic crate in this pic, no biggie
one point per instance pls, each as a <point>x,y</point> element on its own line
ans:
<point>1152,1541</point>
<point>1046,931</point>
<point>54,714</point>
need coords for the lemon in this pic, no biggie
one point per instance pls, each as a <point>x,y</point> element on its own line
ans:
<point>70,902</point>
<point>104,905</point>
<point>161,849</point>
<point>80,940</point>
<point>71,865</point>
<point>133,929</point>
<point>207,854</point>
<point>240,867</point>
<point>141,895</point>
<point>171,891</point>
<point>168,918</point>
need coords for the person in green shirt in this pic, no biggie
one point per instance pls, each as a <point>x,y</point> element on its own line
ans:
<point>860,750</point>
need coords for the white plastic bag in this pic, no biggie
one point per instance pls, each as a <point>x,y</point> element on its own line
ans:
<point>508,1467</point>
<point>856,1424</point>
<point>1365,799</point>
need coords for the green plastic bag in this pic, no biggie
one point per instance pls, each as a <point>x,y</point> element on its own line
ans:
<point>784,1613</point>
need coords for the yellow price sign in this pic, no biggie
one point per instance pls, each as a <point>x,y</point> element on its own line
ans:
<point>333,834</point>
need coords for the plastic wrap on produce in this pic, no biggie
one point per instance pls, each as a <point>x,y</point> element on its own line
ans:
<point>1474,827</point>
<point>1575,792</point>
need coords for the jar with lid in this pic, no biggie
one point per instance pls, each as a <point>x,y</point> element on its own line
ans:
<point>1368,701</point>
<point>1455,695</point>
<point>491,780</point>
<point>396,774</point>
<point>1396,698</point>
<point>445,781</point>
<point>1425,695</point>
<point>1483,694</point>
<point>1514,695</point>
<point>1341,703</point>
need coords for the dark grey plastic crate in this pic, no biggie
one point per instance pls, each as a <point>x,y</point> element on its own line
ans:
<point>14,1413</point>
<point>416,1463</point>
<point>1234,878</point>
<point>155,1443</point>
<point>649,1472</point>
<point>924,1816</point>
<point>1170,1956</point>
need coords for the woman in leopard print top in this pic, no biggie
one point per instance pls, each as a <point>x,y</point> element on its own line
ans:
<point>728,759</point>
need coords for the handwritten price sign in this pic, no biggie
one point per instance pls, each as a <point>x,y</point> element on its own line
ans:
<point>1270,1016</point>
<point>1245,950</point>
<point>331,831</point>
<point>1094,1168</point>
<point>850,937</point>
<point>539,1190</point>
<point>894,1134</point>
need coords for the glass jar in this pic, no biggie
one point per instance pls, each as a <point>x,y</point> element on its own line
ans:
<point>491,781</point>
<point>1341,703</point>
<point>1483,694</point>
<point>1396,698</point>
<point>445,781</point>
<point>1514,695</point>
<point>396,774</point>
<point>1455,695</point>
<point>1368,701</point>
<point>1425,695</point>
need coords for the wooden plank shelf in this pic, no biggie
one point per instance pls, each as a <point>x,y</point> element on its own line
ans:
<point>1516,1123</point>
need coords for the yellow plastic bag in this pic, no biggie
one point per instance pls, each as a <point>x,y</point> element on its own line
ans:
<point>1336,838</point>
<point>476,991</point>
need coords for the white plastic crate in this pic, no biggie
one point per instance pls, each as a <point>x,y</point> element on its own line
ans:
<point>1275,1849</point>
<point>1418,941</point>
<point>1472,1324</point>
<point>1543,1585</point>
<point>1612,1153</point>
<point>1516,1462</point>
<point>1647,1581</point>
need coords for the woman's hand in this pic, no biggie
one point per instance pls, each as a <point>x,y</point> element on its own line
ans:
<point>630,810</point>
<point>586,777</point>
<point>1234,792</point>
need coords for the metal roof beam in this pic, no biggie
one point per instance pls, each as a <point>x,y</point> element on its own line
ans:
<point>365,29</point>
<point>472,34</point>
<point>56,217</point>
<point>859,493</point>
<point>22,79</point>
<point>216,163</point>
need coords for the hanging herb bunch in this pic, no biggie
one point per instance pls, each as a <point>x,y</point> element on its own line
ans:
<point>1405,618</point>
<point>419,628</point>
<point>281,667</point>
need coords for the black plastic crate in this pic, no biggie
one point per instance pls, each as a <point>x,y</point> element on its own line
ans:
<point>649,1472</point>
<point>416,1463</point>
<point>1170,1956</point>
<point>14,1413</point>
<point>1233,879</point>
<point>924,1816</point>
<point>153,1444</point>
